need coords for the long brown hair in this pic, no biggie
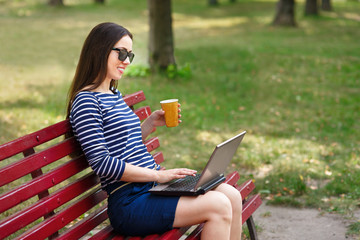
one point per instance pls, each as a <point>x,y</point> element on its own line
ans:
<point>92,67</point>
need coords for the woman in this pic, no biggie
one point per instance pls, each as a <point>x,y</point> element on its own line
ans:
<point>111,137</point>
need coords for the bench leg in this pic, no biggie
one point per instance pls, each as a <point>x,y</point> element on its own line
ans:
<point>252,228</point>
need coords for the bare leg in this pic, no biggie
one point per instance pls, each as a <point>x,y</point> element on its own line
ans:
<point>213,208</point>
<point>236,205</point>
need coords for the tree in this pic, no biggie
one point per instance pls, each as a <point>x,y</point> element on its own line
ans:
<point>311,7</point>
<point>56,3</point>
<point>285,13</point>
<point>326,5</point>
<point>161,43</point>
<point>100,1</point>
<point>213,2</point>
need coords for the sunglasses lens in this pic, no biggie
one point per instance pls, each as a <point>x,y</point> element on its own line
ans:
<point>131,56</point>
<point>123,54</point>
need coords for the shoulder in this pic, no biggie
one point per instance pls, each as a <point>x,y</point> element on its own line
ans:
<point>85,97</point>
<point>85,100</point>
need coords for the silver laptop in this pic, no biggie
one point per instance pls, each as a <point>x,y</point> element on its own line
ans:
<point>211,176</point>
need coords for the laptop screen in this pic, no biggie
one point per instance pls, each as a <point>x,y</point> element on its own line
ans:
<point>220,159</point>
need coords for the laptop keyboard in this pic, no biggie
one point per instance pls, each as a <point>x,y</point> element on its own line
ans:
<point>185,184</point>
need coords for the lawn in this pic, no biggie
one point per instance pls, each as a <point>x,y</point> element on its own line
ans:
<point>296,91</point>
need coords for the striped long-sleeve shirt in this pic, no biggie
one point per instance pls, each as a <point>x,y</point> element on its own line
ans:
<point>109,134</point>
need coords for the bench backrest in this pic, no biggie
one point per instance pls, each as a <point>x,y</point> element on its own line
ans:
<point>44,192</point>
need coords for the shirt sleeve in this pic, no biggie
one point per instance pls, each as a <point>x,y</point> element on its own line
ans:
<point>87,124</point>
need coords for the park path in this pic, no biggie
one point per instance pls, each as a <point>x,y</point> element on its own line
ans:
<point>283,223</point>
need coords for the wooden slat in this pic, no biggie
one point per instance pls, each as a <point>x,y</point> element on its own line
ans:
<point>159,157</point>
<point>250,206</point>
<point>246,188</point>
<point>103,234</point>
<point>232,178</point>
<point>174,234</point>
<point>47,204</point>
<point>85,225</point>
<point>196,234</point>
<point>151,237</point>
<point>34,139</point>
<point>118,237</point>
<point>37,161</point>
<point>134,98</point>
<point>134,238</point>
<point>61,219</point>
<point>152,144</point>
<point>169,235</point>
<point>143,112</point>
<point>37,185</point>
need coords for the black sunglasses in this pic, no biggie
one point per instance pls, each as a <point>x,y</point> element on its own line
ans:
<point>123,54</point>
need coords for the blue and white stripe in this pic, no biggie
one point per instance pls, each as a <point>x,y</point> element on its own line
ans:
<point>109,133</point>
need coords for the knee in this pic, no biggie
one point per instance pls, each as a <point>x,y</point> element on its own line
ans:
<point>222,207</point>
<point>236,199</point>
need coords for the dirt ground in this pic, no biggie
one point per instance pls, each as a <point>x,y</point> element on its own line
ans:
<point>282,223</point>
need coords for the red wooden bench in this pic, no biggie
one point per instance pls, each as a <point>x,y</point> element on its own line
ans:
<point>47,194</point>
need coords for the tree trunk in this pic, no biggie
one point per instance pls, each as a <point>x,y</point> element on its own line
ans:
<point>56,3</point>
<point>100,1</point>
<point>326,5</point>
<point>161,43</point>
<point>213,2</point>
<point>311,8</point>
<point>285,13</point>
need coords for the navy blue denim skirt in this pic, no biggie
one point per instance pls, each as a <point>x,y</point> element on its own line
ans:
<point>133,211</point>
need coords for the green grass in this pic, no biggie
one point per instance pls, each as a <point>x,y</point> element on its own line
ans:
<point>294,90</point>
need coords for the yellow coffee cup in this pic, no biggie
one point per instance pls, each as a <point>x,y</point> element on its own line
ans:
<point>170,106</point>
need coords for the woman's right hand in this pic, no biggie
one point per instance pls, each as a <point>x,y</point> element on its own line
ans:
<point>176,173</point>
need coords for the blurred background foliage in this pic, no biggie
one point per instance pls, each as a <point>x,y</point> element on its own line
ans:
<point>295,90</point>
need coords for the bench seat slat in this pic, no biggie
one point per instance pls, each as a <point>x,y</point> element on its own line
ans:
<point>174,233</point>
<point>118,237</point>
<point>103,234</point>
<point>61,219</point>
<point>195,235</point>
<point>34,139</point>
<point>41,183</point>
<point>37,160</point>
<point>47,205</point>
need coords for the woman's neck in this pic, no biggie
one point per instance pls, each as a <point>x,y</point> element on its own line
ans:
<point>103,88</point>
